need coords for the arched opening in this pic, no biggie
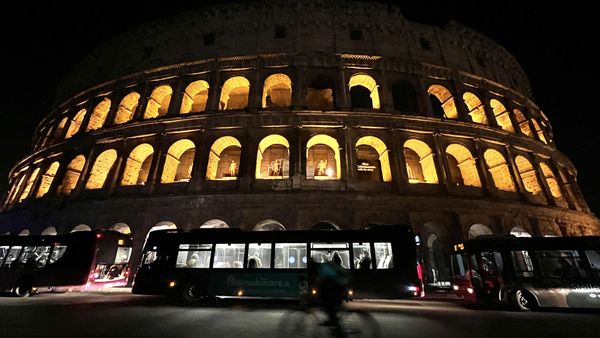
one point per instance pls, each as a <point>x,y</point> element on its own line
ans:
<point>538,131</point>
<point>75,123</point>
<point>158,103</point>
<point>498,168</point>
<point>319,94</point>
<point>179,162</point>
<point>462,166</point>
<point>99,114</point>
<point>234,94</point>
<point>15,189</point>
<point>101,169</point>
<point>269,225</point>
<point>363,92</point>
<point>502,115</point>
<point>277,91</point>
<point>195,97</point>
<point>519,232</point>
<point>81,227</point>
<point>122,228</point>
<point>476,109</point>
<point>24,232</point>
<point>215,224</point>
<point>323,158</point>
<point>224,159</point>
<point>477,230</point>
<point>164,225</point>
<point>72,175</point>
<point>127,108</point>
<point>372,159</point>
<point>523,123</point>
<point>273,158</point>
<point>405,97</point>
<point>551,180</point>
<point>419,162</point>
<point>50,231</point>
<point>138,164</point>
<point>47,179</point>
<point>29,184</point>
<point>442,102</point>
<point>59,129</point>
<point>527,174</point>
<point>437,258</point>
<point>324,226</point>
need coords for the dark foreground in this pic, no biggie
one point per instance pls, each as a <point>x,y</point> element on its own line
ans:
<point>120,314</point>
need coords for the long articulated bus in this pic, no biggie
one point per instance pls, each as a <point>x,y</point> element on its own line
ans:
<point>529,272</point>
<point>205,263</point>
<point>79,261</point>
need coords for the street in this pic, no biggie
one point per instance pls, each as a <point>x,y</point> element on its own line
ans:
<point>119,314</point>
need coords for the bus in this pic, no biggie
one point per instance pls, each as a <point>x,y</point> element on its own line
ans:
<point>79,261</point>
<point>528,272</point>
<point>208,263</point>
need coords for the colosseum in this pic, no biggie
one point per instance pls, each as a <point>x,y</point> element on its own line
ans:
<point>298,115</point>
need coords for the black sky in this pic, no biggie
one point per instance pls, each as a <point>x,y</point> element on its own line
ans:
<point>553,43</point>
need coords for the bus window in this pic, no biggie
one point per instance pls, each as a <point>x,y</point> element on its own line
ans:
<point>491,262</point>
<point>229,256</point>
<point>324,252</point>
<point>151,256</point>
<point>259,256</point>
<point>290,256</point>
<point>189,256</point>
<point>123,254</point>
<point>362,256</point>
<point>459,264</point>
<point>57,253</point>
<point>593,257</point>
<point>560,263</point>
<point>27,257</point>
<point>522,263</point>
<point>3,252</point>
<point>383,255</point>
<point>41,256</point>
<point>13,253</point>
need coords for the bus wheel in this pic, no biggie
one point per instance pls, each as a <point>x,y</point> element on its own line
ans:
<point>191,293</point>
<point>23,288</point>
<point>524,300</point>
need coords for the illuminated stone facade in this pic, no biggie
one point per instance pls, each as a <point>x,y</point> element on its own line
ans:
<point>293,114</point>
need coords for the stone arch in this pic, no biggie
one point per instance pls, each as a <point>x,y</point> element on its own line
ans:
<point>81,227</point>
<point>122,228</point>
<point>72,175</point>
<point>442,98</point>
<point>214,224</point>
<point>24,232</point>
<point>269,225</point>
<point>538,131</point>
<point>158,102</point>
<point>138,164</point>
<point>522,122</point>
<point>477,230</point>
<point>179,162</point>
<point>465,163</point>
<point>127,107</point>
<point>234,94</point>
<point>16,186</point>
<point>419,162</point>
<point>551,180</point>
<point>99,114</point>
<point>101,169</point>
<point>502,115</point>
<point>273,158</point>
<point>498,168</point>
<point>321,150</point>
<point>47,179</point>
<point>59,129</point>
<point>475,107</point>
<point>324,225</point>
<point>528,175</point>
<point>277,91</point>
<point>382,155</point>
<point>194,97</point>
<point>50,231</point>
<point>224,159</point>
<point>29,185</point>
<point>519,232</point>
<point>404,96</point>
<point>162,225</point>
<point>75,123</point>
<point>320,93</point>
<point>436,262</point>
<point>358,100</point>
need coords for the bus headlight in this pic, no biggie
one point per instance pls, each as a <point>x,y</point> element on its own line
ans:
<point>240,293</point>
<point>470,290</point>
<point>593,295</point>
<point>172,284</point>
<point>350,293</point>
<point>313,292</point>
<point>455,287</point>
<point>412,288</point>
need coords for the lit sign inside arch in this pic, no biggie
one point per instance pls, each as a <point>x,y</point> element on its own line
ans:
<point>366,166</point>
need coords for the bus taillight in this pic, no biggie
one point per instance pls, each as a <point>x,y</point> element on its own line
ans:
<point>98,235</point>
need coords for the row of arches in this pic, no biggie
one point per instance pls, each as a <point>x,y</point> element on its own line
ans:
<point>458,164</point>
<point>363,90</point>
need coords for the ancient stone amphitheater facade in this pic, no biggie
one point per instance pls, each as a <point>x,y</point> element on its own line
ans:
<point>292,115</point>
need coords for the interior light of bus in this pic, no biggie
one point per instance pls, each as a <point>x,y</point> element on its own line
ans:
<point>240,293</point>
<point>121,242</point>
<point>470,290</point>
<point>412,288</point>
<point>172,284</point>
<point>593,295</point>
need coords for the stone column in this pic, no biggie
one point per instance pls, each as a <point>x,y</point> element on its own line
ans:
<point>487,183</point>
<point>214,92</point>
<point>441,164</point>
<point>158,162</point>
<point>397,156</point>
<point>514,172</point>
<point>542,179</point>
<point>176,98</point>
<point>342,100</point>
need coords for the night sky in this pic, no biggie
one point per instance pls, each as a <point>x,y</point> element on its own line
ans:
<point>41,41</point>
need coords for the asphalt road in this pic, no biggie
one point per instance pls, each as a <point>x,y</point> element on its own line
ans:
<point>121,314</point>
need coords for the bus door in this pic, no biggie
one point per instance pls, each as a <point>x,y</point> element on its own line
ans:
<point>491,272</point>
